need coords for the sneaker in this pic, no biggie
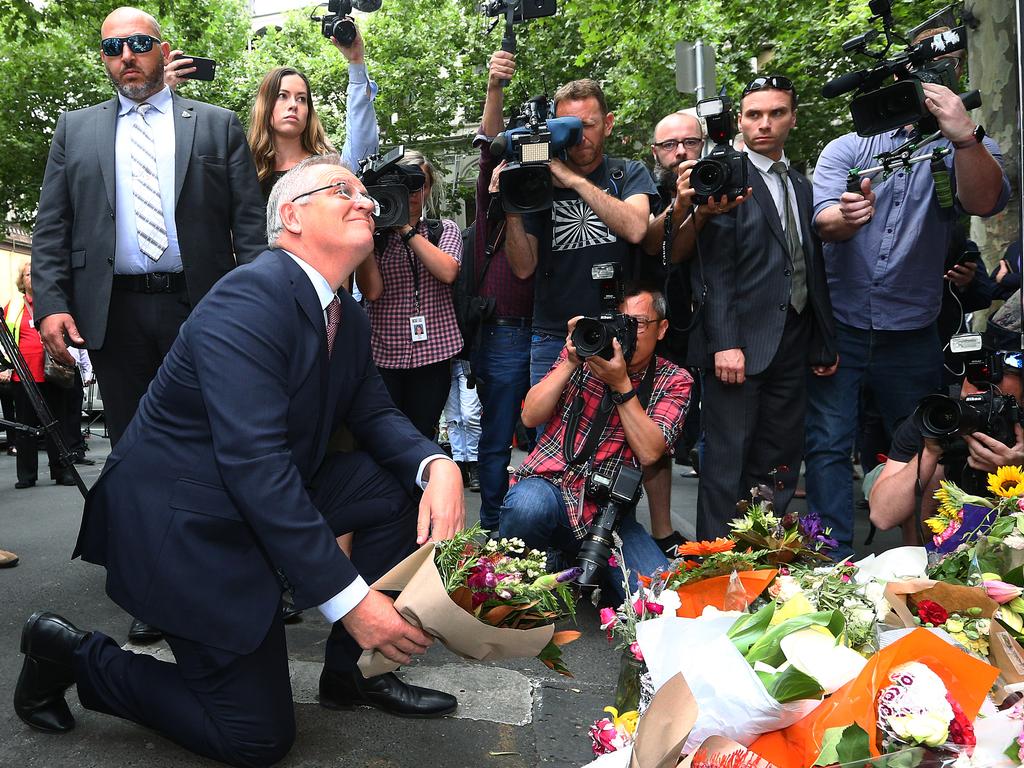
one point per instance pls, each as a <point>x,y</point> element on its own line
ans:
<point>669,543</point>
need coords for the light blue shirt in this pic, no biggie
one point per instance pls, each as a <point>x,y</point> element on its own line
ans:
<point>128,259</point>
<point>343,602</point>
<point>362,136</point>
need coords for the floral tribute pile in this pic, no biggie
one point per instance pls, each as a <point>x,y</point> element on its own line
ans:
<point>792,660</point>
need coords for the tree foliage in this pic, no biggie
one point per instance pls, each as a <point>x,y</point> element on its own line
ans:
<point>428,57</point>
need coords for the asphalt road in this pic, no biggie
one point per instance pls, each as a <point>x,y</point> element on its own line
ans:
<point>512,714</point>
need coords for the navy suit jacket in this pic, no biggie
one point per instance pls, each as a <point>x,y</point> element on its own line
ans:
<point>745,279</point>
<point>202,513</point>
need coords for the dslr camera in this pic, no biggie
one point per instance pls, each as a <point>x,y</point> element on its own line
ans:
<point>942,418</point>
<point>881,105</point>
<point>525,184</point>
<point>617,493</point>
<point>593,336</point>
<point>389,182</point>
<point>337,23</point>
<point>724,170</point>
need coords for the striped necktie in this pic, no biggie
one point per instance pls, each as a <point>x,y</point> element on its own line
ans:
<point>333,321</point>
<point>149,210</point>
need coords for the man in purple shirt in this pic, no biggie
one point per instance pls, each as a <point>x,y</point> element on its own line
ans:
<point>884,252</point>
<point>501,361</point>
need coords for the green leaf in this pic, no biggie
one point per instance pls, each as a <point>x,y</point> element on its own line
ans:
<point>792,685</point>
<point>843,744</point>
<point>751,626</point>
<point>768,648</point>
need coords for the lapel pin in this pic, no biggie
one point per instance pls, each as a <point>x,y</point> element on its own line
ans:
<point>186,113</point>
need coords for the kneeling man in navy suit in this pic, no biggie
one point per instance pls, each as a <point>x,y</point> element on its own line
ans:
<point>221,496</point>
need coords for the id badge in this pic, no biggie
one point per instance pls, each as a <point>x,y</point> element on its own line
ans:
<point>418,327</point>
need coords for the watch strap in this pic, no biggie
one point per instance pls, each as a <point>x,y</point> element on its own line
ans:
<point>620,398</point>
<point>976,138</point>
<point>409,235</point>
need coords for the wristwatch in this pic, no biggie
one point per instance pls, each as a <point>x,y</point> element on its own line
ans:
<point>409,235</point>
<point>622,397</point>
<point>976,137</point>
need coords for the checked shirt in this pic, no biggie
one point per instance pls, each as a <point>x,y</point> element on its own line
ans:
<point>670,396</point>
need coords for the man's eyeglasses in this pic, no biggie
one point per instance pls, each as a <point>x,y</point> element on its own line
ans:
<point>643,322</point>
<point>770,81</point>
<point>669,145</point>
<point>137,43</point>
<point>341,189</point>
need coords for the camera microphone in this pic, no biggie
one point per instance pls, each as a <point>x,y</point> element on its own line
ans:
<point>844,83</point>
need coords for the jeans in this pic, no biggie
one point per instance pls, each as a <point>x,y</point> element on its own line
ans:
<point>899,368</point>
<point>502,368</point>
<point>462,414</point>
<point>544,350</point>
<point>535,512</point>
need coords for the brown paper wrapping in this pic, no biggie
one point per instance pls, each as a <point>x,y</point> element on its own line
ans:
<point>424,602</point>
<point>664,726</point>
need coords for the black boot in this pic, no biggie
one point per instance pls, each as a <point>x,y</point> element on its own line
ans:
<point>473,475</point>
<point>48,642</point>
<point>344,690</point>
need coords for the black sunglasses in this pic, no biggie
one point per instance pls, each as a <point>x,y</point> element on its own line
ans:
<point>771,81</point>
<point>137,43</point>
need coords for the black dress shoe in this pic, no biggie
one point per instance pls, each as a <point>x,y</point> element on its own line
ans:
<point>81,460</point>
<point>473,475</point>
<point>344,690</point>
<point>48,642</point>
<point>142,633</point>
<point>24,484</point>
<point>67,477</point>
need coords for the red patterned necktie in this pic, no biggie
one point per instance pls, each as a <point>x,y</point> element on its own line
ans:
<point>333,321</point>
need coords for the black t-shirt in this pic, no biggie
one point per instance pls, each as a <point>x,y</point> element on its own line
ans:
<point>571,239</point>
<point>907,443</point>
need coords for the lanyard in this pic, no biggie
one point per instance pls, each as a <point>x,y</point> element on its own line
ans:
<point>414,269</point>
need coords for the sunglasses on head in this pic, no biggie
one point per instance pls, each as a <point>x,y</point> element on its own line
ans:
<point>137,43</point>
<point>771,81</point>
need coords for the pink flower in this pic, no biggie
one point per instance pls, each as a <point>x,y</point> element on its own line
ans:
<point>656,608</point>
<point>613,561</point>
<point>1020,504</point>
<point>634,648</point>
<point>603,734</point>
<point>608,618</point>
<point>1000,591</point>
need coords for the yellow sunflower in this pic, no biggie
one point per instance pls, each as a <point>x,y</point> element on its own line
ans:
<point>946,496</point>
<point>1007,482</point>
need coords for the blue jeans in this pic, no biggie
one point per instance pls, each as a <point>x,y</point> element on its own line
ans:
<point>544,350</point>
<point>900,367</point>
<point>502,368</point>
<point>462,414</point>
<point>535,512</point>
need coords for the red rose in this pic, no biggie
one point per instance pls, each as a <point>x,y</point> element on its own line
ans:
<point>931,612</point>
<point>961,731</point>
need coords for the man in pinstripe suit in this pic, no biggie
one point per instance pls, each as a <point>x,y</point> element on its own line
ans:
<point>766,318</point>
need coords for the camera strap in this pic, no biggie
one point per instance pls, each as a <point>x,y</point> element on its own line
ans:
<point>604,412</point>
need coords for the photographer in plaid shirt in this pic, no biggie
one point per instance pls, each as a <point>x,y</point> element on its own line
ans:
<point>547,506</point>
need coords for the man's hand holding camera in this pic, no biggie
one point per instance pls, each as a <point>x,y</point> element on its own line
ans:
<point>950,112</point>
<point>987,454</point>
<point>353,53</point>
<point>500,69</point>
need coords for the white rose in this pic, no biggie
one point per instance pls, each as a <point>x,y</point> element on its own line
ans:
<point>926,728</point>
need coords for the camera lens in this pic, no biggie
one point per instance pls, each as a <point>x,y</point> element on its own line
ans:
<point>708,176</point>
<point>344,31</point>
<point>590,337</point>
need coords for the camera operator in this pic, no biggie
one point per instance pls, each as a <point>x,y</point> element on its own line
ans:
<point>676,145</point>
<point>600,211</point>
<point>914,458</point>
<point>765,319</point>
<point>884,254</point>
<point>547,505</point>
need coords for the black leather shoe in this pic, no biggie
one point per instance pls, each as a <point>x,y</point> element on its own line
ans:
<point>81,460</point>
<point>473,474</point>
<point>142,633</point>
<point>24,484</point>
<point>344,690</point>
<point>48,642</point>
<point>66,477</point>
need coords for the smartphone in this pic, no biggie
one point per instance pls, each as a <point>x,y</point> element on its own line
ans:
<point>969,256</point>
<point>205,68</point>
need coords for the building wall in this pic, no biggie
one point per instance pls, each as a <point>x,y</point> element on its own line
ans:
<point>14,251</point>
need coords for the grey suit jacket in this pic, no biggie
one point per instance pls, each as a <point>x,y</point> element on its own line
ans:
<point>219,211</point>
<point>745,278</point>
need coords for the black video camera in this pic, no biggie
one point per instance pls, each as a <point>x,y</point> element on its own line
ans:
<point>525,184</point>
<point>522,10</point>
<point>593,336</point>
<point>389,182</point>
<point>337,22</point>
<point>881,105</point>
<point>724,170</point>
<point>617,493</point>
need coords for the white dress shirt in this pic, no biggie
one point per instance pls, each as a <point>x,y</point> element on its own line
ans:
<point>774,183</point>
<point>128,259</point>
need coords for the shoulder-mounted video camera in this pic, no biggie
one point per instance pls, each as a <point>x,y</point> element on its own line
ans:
<point>881,105</point>
<point>337,22</point>
<point>529,146</point>
<point>389,182</point>
<point>593,336</point>
<point>723,171</point>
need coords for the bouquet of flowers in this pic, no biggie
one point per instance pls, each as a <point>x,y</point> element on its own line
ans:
<point>713,573</point>
<point>836,588</point>
<point>784,539</point>
<point>610,734</point>
<point>969,628</point>
<point>483,599</point>
<point>915,708</point>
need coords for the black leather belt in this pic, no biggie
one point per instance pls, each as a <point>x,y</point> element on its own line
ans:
<point>510,322</point>
<point>151,282</point>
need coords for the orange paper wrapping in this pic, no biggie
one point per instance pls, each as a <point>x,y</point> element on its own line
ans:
<point>693,598</point>
<point>968,680</point>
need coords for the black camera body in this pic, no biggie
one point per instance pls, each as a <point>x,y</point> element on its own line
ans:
<point>881,105</point>
<point>723,171</point>
<point>389,182</point>
<point>337,22</point>
<point>593,336</point>
<point>616,493</point>
<point>522,10</point>
<point>525,184</point>
<point>942,418</point>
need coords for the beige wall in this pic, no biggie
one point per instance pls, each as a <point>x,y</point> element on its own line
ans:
<point>12,256</point>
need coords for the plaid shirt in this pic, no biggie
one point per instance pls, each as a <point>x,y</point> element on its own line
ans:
<point>670,396</point>
<point>513,296</point>
<point>390,334</point>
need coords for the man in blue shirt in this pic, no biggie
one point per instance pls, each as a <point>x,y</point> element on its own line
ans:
<point>884,252</point>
